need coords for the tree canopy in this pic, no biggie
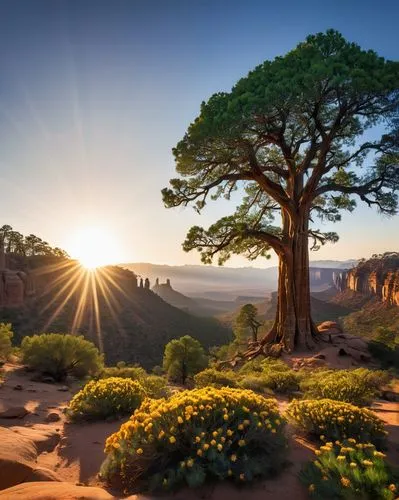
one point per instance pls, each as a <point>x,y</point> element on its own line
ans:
<point>15,242</point>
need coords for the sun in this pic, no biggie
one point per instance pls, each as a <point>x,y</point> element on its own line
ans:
<point>94,247</point>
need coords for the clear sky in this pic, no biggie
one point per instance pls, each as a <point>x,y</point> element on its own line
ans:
<point>94,94</point>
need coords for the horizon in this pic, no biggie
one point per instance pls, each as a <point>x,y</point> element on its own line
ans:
<point>97,95</point>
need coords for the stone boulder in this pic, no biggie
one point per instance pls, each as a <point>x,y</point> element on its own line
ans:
<point>17,458</point>
<point>44,490</point>
<point>43,436</point>
<point>329,328</point>
<point>13,411</point>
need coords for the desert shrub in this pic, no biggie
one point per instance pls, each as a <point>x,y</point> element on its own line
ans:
<point>215,378</point>
<point>259,365</point>
<point>358,386</point>
<point>5,340</point>
<point>197,435</point>
<point>348,471</point>
<point>153,385</point>
<point>336,420</point>
<point>110,397</point>
<point>183,358</point>
<point>386,355</point>
<point>255,383</point>
<point>60,355</point>
<point>133,372</point>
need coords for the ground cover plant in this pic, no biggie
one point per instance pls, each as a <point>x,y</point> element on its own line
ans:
<point>358,386</point>
<point>198,435</point>
<point>215,378</point>
<point>336,420</point>
<point>350,470</point>
<point>111,397</point>
<point>61,355</point>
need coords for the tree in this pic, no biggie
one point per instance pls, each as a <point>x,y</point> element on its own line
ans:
<point>290,138</point>
<point>6,335</point>
<point>61,355</point>
<point>184,357</point>
<point>247,318</point>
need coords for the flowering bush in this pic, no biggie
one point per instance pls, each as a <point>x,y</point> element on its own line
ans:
<point>358,386</point>
<point>104,398</point>
<point>336,420</point>
<point>215,378</point>
<point>195,435</point>
<point>153,385</point>
<point>348,471</point>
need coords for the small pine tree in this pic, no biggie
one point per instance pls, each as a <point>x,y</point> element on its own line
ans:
<point>184,357</point>
<point>6,335</point>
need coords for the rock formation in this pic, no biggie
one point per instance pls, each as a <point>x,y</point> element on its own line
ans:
<point>377,276</point>
<point>14,285</point>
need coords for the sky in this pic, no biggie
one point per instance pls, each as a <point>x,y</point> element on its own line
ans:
<point>95,94</point>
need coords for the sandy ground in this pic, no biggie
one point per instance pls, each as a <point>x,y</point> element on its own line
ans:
<point>78,457</point>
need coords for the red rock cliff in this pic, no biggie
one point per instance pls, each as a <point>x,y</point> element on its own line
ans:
<point>377,276</point>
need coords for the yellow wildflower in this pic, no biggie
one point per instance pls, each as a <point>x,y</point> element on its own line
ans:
<point>139,451</point>
<point>241,442</point>
<point>345,482</point>
<point>190,462</point>
<point>392,488</point>
<point>233,457</point>
<point>172,439</point>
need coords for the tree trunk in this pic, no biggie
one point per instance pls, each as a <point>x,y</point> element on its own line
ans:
<point>293,327</point>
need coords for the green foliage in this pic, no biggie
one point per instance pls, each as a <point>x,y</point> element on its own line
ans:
<point>265,375</point>
<point>154,386</point>
<point>293,119</point>
<point>358,387</point>
<point>198,435</point>
<point>387,356</point>
<point>215,378</point>
<point>16,243</point>
<point>61,355</point>
<point>336,420</point>
<point>183,358</point>
<point>349,471</point>
<point>247,319</point>
<point>6,335</point>
<point>387,336</point>
<point>256,383</point>
<point>111,397</point>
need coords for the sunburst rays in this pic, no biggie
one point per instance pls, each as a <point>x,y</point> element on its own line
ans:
<point>81,293</point>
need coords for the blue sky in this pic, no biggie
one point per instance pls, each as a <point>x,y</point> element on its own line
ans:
<point>94,94</point>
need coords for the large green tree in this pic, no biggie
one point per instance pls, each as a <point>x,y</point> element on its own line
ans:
<point>292,138</point>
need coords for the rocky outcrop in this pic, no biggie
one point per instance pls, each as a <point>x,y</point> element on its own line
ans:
<point>15,285</point>
<point>378,276</point>
<point>18,455</point>
<point>55,491</point>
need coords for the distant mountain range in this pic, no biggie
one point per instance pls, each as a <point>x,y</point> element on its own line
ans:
<point>227,283</point>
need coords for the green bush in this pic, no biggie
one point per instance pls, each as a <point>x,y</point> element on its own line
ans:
<point>110,397</point>
<point>60,355</point>
<point>255,383</point>
<point>336,420</point>
<point>183,358</point>
<point>153,385</point>
<point>195,436</point>
<point>358,386</point>
<point>386,355</point>
<point>5,340</point>
<point>215,378</point>
<point>349,471</point>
